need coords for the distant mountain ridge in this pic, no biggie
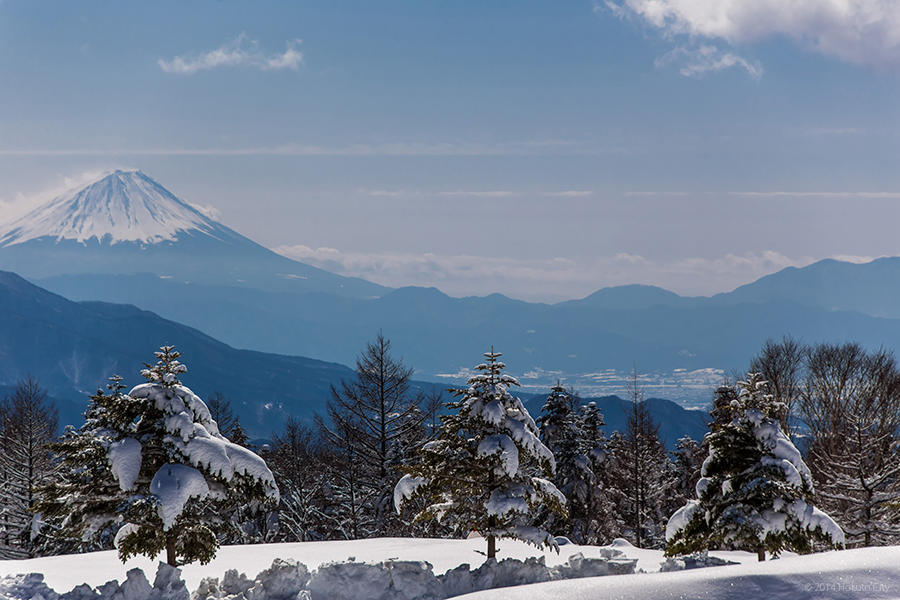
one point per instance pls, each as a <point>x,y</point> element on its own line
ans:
<point>126,223</point>
<point>71,348</point>
<point>207,276</point>
<point>440,334</point>
<point>870,288</point>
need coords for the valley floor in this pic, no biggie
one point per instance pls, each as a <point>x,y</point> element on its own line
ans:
<point>866,573</point>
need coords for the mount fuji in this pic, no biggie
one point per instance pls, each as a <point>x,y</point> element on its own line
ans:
<point>127,223</point>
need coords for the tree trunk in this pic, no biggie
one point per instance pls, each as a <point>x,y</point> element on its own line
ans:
<point>761,553</point>
<point>492,547</point>
<point>170,551</point>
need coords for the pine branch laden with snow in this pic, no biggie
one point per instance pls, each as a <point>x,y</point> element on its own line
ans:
<point>755,491</point>
<point>159,471</point>
<point>488,469</point>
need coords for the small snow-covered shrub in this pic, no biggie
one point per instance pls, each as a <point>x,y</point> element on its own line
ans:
<point>698,560</point>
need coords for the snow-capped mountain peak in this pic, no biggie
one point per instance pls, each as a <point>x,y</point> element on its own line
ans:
<point>122,206</point>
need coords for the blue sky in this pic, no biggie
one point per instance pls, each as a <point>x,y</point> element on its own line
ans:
<point>538,149</point>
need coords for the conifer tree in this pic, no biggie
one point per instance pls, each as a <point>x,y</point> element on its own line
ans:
<point>488,469</point>
<point>80,505</point>
<point>28,424</point>
<point>602,520</point>
<point>688,458</point>
<point>755,492</point>
<point>238,434</point>
<point>179,479</point>
<point>370,418</point>
<point>642,474</point>
<point>574,438</point>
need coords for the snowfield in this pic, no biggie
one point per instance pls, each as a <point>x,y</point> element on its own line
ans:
<point>62,573</point>
<point>848,574</point>
<point>865,573</point>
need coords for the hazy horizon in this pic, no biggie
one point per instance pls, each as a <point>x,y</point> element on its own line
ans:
<point>541,152</point>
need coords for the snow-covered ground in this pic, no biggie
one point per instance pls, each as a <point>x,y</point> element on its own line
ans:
<point>867,573</point>
<point>849,574</point>
<point>62,573</point>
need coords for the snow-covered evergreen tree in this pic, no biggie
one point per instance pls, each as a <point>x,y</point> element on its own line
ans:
<point>755,492</point>
<point>79,506</point>
<point>687,458</point>
<point>576,441</point>
<point>488,469</point>
<point>179,479</point>
<point>561,433</point>
<point>602,522</point>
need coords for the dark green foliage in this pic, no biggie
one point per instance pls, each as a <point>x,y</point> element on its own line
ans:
<point>157,432</point>
<point>755,492</point>
<point>574,436</point>
<point>79,506</point>
<point>486,470</point>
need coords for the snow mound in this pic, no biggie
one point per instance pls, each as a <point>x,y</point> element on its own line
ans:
<point>290,580</point>
<point>167,586</point>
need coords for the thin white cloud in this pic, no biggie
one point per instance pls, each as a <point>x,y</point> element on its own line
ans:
<point>865,32</point>
<point>817,194</point>
<point>550,279</point>
<point>21,203</point>
<point>240,52</point>
<point>849,194</point>
<point>654,194</point>
<point>834,131</point>
<point>405,193</point>
<point>570,194</point>
<point>697,62</point>
<point>207,210</point>
<point>478,193</point>
<point>517,148</point>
